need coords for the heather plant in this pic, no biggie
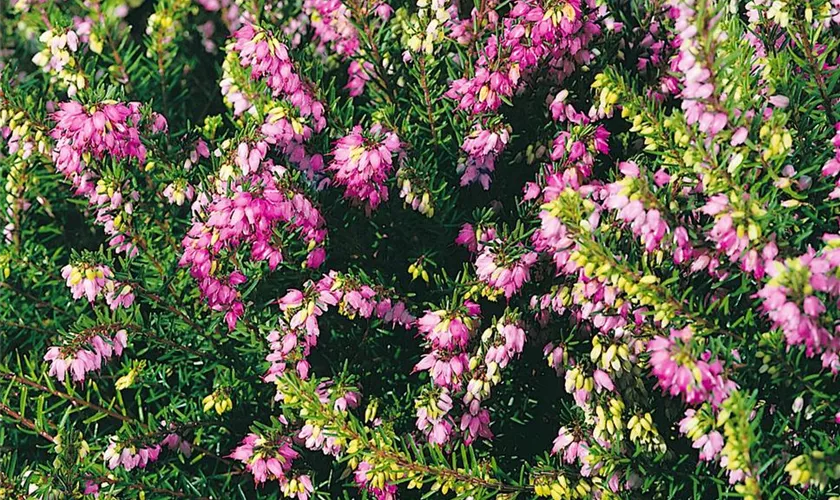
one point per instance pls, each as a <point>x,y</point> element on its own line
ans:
<point>380,249</point>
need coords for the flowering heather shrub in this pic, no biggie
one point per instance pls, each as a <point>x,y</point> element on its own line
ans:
<point>383,249</point>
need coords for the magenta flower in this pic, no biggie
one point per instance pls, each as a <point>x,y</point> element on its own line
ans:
<point>98,130</point>
<point>433,418</point>
<point>269,60</point>
<point>445,331</point>
<point>363,161</point>
<point>178,192</point>
<point>87,134</point>
<point>681,374</point>
<point>299,487</point>
<point>795,301</point>
<point>502,271</point>
<point>175,442</point>
<point>445,368</point>
<point>248,215</point>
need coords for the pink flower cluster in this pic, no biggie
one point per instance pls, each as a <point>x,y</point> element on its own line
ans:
<point>433,418</point>
<point>333,26</point>
<point>832,166</point>
<point>533,37</point>
<point>314,437</point>
<point>178,192</point>
<point>85,279</point>
<point>500,343</point>
<point>85,353</point>
<point>573,446</point>
<point>95,132</point>
<point>735,242</point>
<point>646,222</point>
<point>289,135</point>
<point>502,271</point>
<point>299,329</point>
<point>247,216</point>
<point>681,374</point>
<point>387,492</point>
<point>91,281</point>
<point>268,59</point>
<point>175,442</point>
<point>363,161</point>
<point>709,443</point>
<point>447,334</point>
<point>795,301</point>
<point>129,456</point>
<point>288,124</point>
<point>266,458</point>
<point>699,101</point>
<point>482,147</point>
<point>358,74</point>
<point>475,238</point>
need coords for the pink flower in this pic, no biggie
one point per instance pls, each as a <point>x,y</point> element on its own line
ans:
<point>175,442</point>
<point>739,136</point>
<point>248,214</point>
<point>387,492</point>
<point>267,459</point>
<point>98,130</point>
<point>444,368</point>
<point>433,419</point>
<point>504,272</point>
<point>88,134</point>
<point>572,448</point>
<point>86,279</point>
<point>475,422</point>
<point>363,161</point>
<point>680,373</point>
<point>85,353</point>
<point>129,456</point>
<point>333,26</point>
<point>482,147</point>
<point>603,381</point>
<point>358,76</point>
<point>178,192</point>
<point>299,487</point>
<point>118,295</point>
<point>269,60</point>
<point>444,331</point>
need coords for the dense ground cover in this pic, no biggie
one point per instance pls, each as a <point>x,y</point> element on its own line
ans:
<point>360,249</point>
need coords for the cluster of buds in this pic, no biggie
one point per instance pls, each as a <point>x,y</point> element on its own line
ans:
<point>163,26</point>
<point>179,191</point>
<point>425,29</point>
<point>414,192</point>
<point>22,134</point>
<point>218,400</point>
<point>813,469</point>
<point>58,60</point>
